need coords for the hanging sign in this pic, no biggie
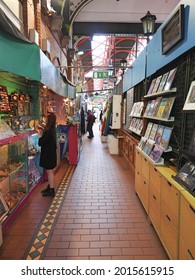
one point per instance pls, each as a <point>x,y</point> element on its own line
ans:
<point>100,74</point>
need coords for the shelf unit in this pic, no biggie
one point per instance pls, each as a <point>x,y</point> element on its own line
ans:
<point>170,208</point>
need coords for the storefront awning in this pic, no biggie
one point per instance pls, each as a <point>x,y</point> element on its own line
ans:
<point>23,58</point>
<point>19,57</point>
<point>51,77</point>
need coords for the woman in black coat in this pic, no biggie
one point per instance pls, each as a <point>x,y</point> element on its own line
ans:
<point>48,156</point>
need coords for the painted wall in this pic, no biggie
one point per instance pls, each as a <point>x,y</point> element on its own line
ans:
<point>155,58</point>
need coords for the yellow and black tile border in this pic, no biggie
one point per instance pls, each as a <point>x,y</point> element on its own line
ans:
<point>40,240</point>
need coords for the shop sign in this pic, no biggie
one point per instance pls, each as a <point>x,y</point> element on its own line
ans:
<point>100,74</point>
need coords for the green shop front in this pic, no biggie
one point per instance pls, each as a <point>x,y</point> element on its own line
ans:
<point>23,68</point>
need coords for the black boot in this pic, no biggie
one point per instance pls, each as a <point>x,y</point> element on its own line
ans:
<point>49,192</point>
<point>46,190</point>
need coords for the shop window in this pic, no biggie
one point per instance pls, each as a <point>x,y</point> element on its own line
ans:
<point>14,11</point>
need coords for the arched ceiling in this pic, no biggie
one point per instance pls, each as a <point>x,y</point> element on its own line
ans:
<point>120,19</point>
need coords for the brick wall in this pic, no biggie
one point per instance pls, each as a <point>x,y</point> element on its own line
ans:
<point>33,19</point>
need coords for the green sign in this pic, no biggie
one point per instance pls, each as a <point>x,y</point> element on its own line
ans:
<point>100,75</point>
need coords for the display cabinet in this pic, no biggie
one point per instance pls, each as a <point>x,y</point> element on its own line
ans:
<point>13,172</point>
<point>127,147</point>
<point>169,233</point>
<point>34,170</point>
<point>160,195</point>
<point>154,197</point>
<point>187,227</point>
<point>142,179</point>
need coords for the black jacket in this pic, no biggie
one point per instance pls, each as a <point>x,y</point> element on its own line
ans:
<point>48,157</point>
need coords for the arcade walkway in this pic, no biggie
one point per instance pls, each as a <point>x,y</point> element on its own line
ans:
<point>94,215</point>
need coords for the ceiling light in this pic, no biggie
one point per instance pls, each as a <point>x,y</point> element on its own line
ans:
<point>80,52</point>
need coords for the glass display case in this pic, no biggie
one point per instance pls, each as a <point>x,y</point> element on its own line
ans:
<point>13,172</point>
<point>34,170</point>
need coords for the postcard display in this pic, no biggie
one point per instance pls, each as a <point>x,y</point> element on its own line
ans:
<point>19,151</point>
<point>136,124</point>
<point>159,103</point>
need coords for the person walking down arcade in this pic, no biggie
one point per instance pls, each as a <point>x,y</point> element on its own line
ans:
<point>48,156</point>
<point>90,122</point>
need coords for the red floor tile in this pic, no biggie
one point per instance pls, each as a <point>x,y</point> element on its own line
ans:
<point>101,218</point>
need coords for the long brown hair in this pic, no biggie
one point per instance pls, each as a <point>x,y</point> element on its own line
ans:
<point>51,124</point>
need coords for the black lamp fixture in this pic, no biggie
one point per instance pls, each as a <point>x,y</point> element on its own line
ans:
<point>114,78</point>
<point>123,64</point>
<point>148,23</point>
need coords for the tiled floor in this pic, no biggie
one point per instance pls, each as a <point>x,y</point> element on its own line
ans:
<point>95,216</point>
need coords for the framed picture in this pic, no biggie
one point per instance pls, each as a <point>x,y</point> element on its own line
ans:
<point>190,100</point>
<point>173,31</point>
<point>186,176</point>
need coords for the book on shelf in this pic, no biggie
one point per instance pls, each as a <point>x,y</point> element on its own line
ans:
<point>186,176</point>
<point>153,131</point>
<point>168,107</point>
<point>159,134</point>
<point>132,123</point>
<point>137,109</point>
<point>132,110</point>
<point>150,111</point>
<point>164,142</point>
<point>163,81</point>
<point>148,130</point>
<point>136,124</point>
<point>139,126</point>
<point>142,143</point>
<point>148,146</point>
<point>170,79</point>
<point>147,108</point>
<point>157,83</point>
<point>161,108</point>
<point>151,87</point>
<point>156,153</point>
<point>156,106</point>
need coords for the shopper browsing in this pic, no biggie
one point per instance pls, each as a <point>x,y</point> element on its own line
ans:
<point>90,122</point>
<point>48,156</point>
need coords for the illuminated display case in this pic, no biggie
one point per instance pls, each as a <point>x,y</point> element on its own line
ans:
<point>34,170</point>
<point>13,171</point>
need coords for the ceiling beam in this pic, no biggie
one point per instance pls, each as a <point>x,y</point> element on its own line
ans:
<point>91,28</point>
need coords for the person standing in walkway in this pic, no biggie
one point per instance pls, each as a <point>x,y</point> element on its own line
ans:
<point>90,122</point>
<point>48,156</point>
